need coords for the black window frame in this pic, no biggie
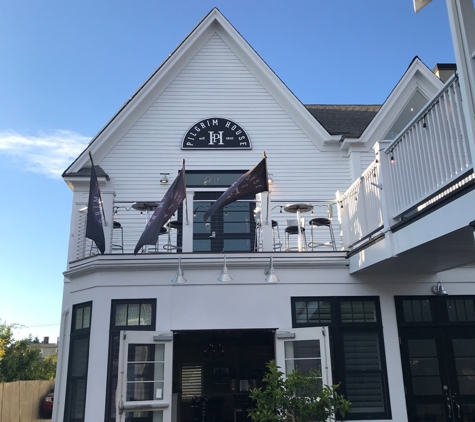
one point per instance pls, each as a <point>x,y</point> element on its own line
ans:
<point>114,332</point>
<point>337,330</point>
<point>77,335</point>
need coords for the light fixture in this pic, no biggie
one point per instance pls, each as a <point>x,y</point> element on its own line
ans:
<point>438,289</point>
<point>270,178</point>
<point>164,177</point>
<point>179,279</point>
<point>272,278</point>
<point>392,159</point>
<point>224,273</point>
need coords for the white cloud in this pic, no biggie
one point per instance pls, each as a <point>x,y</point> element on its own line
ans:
<point>47,153</point>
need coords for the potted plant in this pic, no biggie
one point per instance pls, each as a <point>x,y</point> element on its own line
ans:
<point>296,398</point>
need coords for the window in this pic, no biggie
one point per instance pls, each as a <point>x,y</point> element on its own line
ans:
<point>78,362</point>
<point>357,349</point>
<point>132,314</point>
<point>190,382</point>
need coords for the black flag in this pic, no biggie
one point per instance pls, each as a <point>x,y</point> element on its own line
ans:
<point>94,229</point>
<point>254,181</point>
<point>165,209</point>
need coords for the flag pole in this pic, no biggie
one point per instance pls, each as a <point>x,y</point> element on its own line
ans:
<point>100,196</point>
<point>186,197</point>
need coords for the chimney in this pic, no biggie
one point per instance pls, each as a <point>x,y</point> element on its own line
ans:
<point>45,340</point>
<point>444,71</point>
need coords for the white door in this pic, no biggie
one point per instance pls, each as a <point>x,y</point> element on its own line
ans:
<point>304,349</point>
<point>144,390</point>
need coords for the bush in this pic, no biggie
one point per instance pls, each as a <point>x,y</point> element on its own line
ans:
<point>296,398</point>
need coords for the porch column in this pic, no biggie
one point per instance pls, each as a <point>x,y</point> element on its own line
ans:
<point>462,25</point>
<point>187,231</point>
<point>266,222</point>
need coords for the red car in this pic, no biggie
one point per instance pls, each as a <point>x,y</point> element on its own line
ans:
<point>47,405</point>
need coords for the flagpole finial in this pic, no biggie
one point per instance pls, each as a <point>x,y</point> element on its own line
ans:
<point>183,161</point>
<point>264,154</point>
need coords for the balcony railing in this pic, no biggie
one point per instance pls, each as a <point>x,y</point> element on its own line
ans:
<point>235,235</point>
<point>428,160</point>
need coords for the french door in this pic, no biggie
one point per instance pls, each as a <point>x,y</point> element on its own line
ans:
<point>438,362</point>
<point>304,349</point>
<point>144,392</point>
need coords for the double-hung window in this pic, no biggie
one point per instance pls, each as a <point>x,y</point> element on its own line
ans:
<point>357,349</point>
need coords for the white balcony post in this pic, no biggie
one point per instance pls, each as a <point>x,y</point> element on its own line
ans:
<point>108,196</point>
<point>387,197</point>
<point>266,221</point>
<point>343,220</point>
<point>462,25</point>
<point>187,227</point>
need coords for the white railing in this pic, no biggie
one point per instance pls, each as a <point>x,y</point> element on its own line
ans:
<point>431,153</point>
<point>361,205</point>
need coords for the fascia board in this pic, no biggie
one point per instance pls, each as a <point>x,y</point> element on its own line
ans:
<point>418,76</point>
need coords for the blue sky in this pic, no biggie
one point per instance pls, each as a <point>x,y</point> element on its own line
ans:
<point>67,67</point>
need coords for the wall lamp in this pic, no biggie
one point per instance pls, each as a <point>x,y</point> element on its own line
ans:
<point>438,289</point>
<point>164,177</point>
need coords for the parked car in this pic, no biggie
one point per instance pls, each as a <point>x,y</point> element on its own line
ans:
<point>46,406</point>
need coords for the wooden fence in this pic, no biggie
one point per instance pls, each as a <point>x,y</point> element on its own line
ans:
<point>20,400</point>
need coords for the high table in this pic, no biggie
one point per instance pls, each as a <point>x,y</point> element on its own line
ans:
<point>299,208</point>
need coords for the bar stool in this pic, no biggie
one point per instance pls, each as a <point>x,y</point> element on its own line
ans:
<point>322,222</point>
<point>116,246</point>
<point>292,229</point>
<point>172,225</point>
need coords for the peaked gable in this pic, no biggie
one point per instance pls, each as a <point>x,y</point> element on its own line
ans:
<point>213,27</point>
<point>418,77</point>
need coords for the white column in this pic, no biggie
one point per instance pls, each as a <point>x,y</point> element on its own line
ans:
<point>266,222</point>
<point>187,240</point>
<point>462,24</point>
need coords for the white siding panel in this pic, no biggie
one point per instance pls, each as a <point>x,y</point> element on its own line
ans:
<point>215,83</point>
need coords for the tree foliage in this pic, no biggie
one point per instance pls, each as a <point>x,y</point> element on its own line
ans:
<point>295,398</point>
<point>22,360</point>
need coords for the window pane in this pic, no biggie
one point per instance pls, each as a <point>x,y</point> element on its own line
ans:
<point>78,324</point>
<point>190,382</point>
<point>461,310</point>
<point>365,392</point>
<point>416,311</point>
<point>79,357</point>
<point>121,314</point>
<point>361,352</point>
<point>133,314</point>
<point>358,311</point>
<point>86,317</point>
<point>301,311</point>
<point>319,312</point>
<point>145,314</point>
<point>79,402</point>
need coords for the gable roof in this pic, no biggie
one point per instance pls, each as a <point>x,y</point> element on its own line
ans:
<point>345,120</point>
<point>155,85</point>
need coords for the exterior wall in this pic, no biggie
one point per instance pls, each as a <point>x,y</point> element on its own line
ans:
<point>247,302</point>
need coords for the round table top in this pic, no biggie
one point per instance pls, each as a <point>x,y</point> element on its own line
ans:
<point>145,206</point>
<point>302,207</point>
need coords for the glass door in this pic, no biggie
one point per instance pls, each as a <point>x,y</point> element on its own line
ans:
<point>304,349</point>
<point>439,373</point>
<point>144,391</point>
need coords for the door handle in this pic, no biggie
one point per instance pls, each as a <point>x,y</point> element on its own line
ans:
<point>450,410</point>
<point>458,409</point>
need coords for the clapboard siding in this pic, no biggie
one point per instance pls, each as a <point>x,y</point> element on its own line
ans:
<point>215,83</point>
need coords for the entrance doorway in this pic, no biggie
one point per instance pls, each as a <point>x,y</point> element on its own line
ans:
<point>437,337</point>
<point>213,371</point>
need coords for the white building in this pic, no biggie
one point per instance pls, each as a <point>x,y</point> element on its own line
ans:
<point>397,182</point>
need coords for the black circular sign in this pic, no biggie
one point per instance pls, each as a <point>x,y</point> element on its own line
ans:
<point>216,133</point>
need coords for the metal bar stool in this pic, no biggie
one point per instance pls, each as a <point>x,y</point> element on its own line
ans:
<point>116,246</point>
<point>276,243</point>
<point>323,222</point>
<point>172,225</point>
<point>293,228</point>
